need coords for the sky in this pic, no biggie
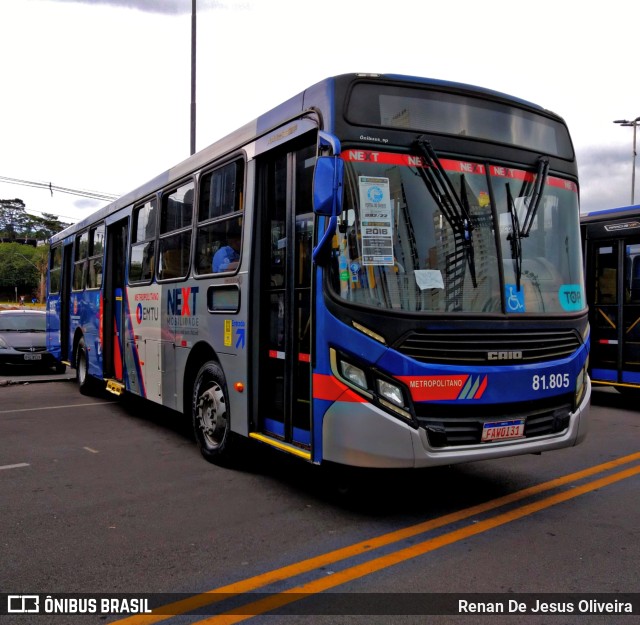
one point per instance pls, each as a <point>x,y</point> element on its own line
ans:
<point>96,94</point>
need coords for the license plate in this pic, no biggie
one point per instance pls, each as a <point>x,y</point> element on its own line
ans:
<point>502,430</point>
<point>33,356</point>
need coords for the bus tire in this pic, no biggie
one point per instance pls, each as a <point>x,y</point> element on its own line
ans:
<point>210,414</point>
<point>82,369</point>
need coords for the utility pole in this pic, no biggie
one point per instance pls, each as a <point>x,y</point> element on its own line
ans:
<point>634,124</point>
<point>193,76</point>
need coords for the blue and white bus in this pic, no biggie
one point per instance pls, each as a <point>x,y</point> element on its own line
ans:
<point>407,288</point>
<point>611,240</point>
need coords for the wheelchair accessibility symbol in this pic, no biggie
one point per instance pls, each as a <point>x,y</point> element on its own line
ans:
<point>515,298</point>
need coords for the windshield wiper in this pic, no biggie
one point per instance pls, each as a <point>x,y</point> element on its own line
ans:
<point>455,209</point>
<point>536,196</point>
<point>514,237</point>
<point>521,231</point>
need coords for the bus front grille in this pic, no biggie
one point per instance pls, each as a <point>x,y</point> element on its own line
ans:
<point>449,425</point>
<point>482,348</point>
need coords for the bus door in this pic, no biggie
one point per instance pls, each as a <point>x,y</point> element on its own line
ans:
<point>113,304</point>
<point>614,283</point>
<point>65,298</point>
<point>285,224</point>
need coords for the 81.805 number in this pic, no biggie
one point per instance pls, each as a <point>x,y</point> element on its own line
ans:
<point>551,381</point>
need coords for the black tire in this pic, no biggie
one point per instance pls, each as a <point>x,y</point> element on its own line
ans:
<point>60,367</point>
<point>84,380</point>
<point>210,414</point>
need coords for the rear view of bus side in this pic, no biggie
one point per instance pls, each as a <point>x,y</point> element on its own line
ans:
<point>612,256</point>
<point>383,271</point>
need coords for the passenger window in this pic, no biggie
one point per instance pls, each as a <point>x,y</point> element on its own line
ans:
<point>175,233</point>
<point>80,261</point>
<point>55,269</point>
<point>96,250</point>
<point>219,236</point>
<point>143,240</point>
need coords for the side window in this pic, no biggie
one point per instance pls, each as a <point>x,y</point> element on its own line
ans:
<point>143,241</point>
<point>96,252</point>
<point>606,275</point>
<point>80,261</point>
<point>175,233</point>
<point>220,209</point>
<point>55,269</point>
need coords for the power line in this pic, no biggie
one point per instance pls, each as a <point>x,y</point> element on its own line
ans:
<point>95,195</point>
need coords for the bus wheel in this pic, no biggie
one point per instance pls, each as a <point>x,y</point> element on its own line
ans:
<point>210,411</point>
<point>82,369</point>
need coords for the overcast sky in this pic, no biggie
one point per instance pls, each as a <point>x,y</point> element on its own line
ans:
<point>96,93</point>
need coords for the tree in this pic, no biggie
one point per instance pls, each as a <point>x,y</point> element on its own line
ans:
<point>13,218</point>
<point>16,224</point>
<point>19,267</point>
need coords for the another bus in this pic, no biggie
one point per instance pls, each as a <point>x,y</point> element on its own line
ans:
<point>407,291</point>
<point>612,256</point>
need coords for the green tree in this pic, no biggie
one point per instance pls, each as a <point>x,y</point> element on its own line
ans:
<point>22,267</point>
<point>16,223</point>
<point>13,219</point>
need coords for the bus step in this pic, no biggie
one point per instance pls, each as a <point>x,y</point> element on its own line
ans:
<point>115,387</point>
<point>292,449</point>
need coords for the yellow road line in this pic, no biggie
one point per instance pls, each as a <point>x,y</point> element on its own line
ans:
<point>258,581</point>
<point>286,597</point>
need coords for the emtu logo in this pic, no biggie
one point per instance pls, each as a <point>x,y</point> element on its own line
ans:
<point>182,301</point>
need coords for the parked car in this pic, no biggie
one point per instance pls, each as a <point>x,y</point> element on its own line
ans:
<point>23,341</point>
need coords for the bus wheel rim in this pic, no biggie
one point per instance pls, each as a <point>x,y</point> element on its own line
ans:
<point>212,415</point>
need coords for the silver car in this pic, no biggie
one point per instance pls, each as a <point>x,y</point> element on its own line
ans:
<point>23,341</point>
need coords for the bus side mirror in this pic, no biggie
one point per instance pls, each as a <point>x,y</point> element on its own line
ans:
<point>327,200</point>
<point>327,186</point>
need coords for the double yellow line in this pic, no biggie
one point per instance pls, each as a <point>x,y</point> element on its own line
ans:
<point>280,599</point>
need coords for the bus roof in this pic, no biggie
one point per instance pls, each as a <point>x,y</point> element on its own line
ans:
<point>610,213</point>
<point>319,97</point>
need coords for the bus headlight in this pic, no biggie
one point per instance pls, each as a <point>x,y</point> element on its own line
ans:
<point>353,374</point>
<point>391,392</point>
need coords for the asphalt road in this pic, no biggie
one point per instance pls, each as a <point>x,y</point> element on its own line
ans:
<point>101,495</point>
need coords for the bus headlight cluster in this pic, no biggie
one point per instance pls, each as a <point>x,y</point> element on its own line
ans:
<point>375,386</point>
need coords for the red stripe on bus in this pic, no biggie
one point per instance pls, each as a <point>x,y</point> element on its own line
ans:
<point>465,167</point>
<point>482,388</point>
<point>281,356</point>
<point>117,354</point>
<point>329,388</point>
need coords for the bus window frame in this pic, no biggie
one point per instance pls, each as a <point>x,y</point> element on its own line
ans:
<point>94,257</point>
<point>80,262</point>
<point>176,232</point>
<point>223,219</point>
<point>55,253</point>
<point>137,207</point>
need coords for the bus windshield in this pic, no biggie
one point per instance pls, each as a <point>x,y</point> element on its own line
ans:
<point>470,241</point>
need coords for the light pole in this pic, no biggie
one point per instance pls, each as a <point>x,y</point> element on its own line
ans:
<point>193,76</point>
<point>634,124</point>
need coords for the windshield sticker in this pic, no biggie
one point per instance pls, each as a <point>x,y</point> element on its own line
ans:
<point>376,226</point>
<point>429,279</point>
<point>514,298</point>
<point>570,296</point>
